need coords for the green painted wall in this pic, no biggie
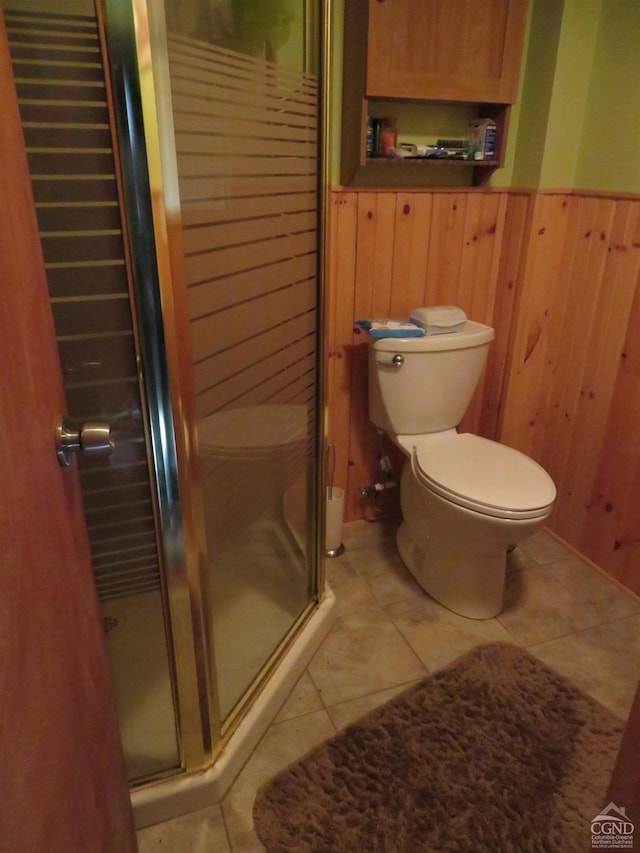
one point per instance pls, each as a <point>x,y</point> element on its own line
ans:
<point>580,110</point>
<point>527,137</point>
<point>568,105</point>
<point>336,34</point>
<point>610,148</point>
<point>577,119</point>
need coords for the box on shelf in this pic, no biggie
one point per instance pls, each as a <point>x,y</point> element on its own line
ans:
<point>482,139</point>
<point>382,136</point>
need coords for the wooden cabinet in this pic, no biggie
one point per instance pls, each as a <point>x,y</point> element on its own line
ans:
<point>451,50</point>
<point>444,51</point>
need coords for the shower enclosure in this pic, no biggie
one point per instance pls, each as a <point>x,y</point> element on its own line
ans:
<point>175,156</point>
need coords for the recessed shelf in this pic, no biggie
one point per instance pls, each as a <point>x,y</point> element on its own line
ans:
<point>428,162</point>
<point>385,83</point>
<point>392,171</point>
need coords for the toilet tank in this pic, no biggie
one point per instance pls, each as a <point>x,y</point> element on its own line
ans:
<point>425,384</point>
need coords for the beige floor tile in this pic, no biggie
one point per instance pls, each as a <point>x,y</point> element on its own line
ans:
<point>351,590</point>
<point>603,661</point>
<point>390,633</point>
<point>363,653</point>
<point>538,608</point>
<point>521,559</point>
<point>438,636</point>
<point>304,699</point>
<point>346,713</point>
<point>629,630</point>
<point>543,547</point>
<point>360,534</point>
<point>591,585</point>
<point>387,576</point>
<point>282,744</point>
<point>200,832</point>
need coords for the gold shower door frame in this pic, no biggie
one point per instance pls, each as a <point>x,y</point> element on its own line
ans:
<point>139,69</point>
<point>158,332</point>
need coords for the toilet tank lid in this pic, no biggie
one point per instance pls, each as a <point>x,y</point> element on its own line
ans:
<point>472,334</point>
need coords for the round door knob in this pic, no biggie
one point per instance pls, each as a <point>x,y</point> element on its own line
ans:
<point>93,437</point>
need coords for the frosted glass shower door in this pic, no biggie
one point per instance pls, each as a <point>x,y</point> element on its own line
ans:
<point>64,106</point>
<point>244,112</point>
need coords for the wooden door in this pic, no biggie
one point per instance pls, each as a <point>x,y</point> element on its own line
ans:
<point>449,50</point>
<point>63,782</point>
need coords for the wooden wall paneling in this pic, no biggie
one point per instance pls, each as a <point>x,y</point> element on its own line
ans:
<point>605,345</point>
<point>480,255</point>
<point>339,321</point>
<point>577,293</point>
<point>449,232</point>
<point>565,430</point>
<point>559,296</point>
<point>514,242</point>
<point>564,293</point>
<point>610,535</point>
<point>445,240</point>
<point>411,248</point>
<point>528,370</point>
<point>484,227</point>
<point>408,283</point>
<point>374,252</point>
<point>626,554</point>
<point>558,278</point>
<point>614,541</point>
<point>374,264</point>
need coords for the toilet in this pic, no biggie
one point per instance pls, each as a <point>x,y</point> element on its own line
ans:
<point>465,500</point>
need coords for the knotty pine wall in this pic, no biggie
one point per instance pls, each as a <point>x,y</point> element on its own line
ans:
<point>572,400</point>
<point>556,274</point>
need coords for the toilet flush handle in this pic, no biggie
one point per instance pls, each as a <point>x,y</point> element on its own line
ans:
<point>396,361</point>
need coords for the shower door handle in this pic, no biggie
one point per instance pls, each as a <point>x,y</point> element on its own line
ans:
<point>93,437</point>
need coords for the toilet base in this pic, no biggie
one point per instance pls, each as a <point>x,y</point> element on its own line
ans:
<point>457,556</point>
<point>462,579</point>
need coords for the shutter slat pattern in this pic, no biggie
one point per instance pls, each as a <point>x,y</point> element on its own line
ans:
<point>246,139</point>
<point>60,83</point>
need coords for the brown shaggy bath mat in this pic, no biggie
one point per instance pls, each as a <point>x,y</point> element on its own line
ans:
<point>496,752</point>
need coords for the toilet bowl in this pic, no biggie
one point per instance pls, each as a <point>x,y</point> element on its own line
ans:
<point>465,500</point>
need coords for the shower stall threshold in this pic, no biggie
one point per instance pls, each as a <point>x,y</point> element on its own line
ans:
<point>188,792</point>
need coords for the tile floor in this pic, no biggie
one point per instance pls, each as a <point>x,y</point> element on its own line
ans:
<point>389,633</point>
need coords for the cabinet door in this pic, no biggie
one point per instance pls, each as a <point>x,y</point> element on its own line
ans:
<point>448,50</point>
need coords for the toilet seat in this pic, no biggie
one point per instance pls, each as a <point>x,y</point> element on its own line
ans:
<point>482,475</point>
